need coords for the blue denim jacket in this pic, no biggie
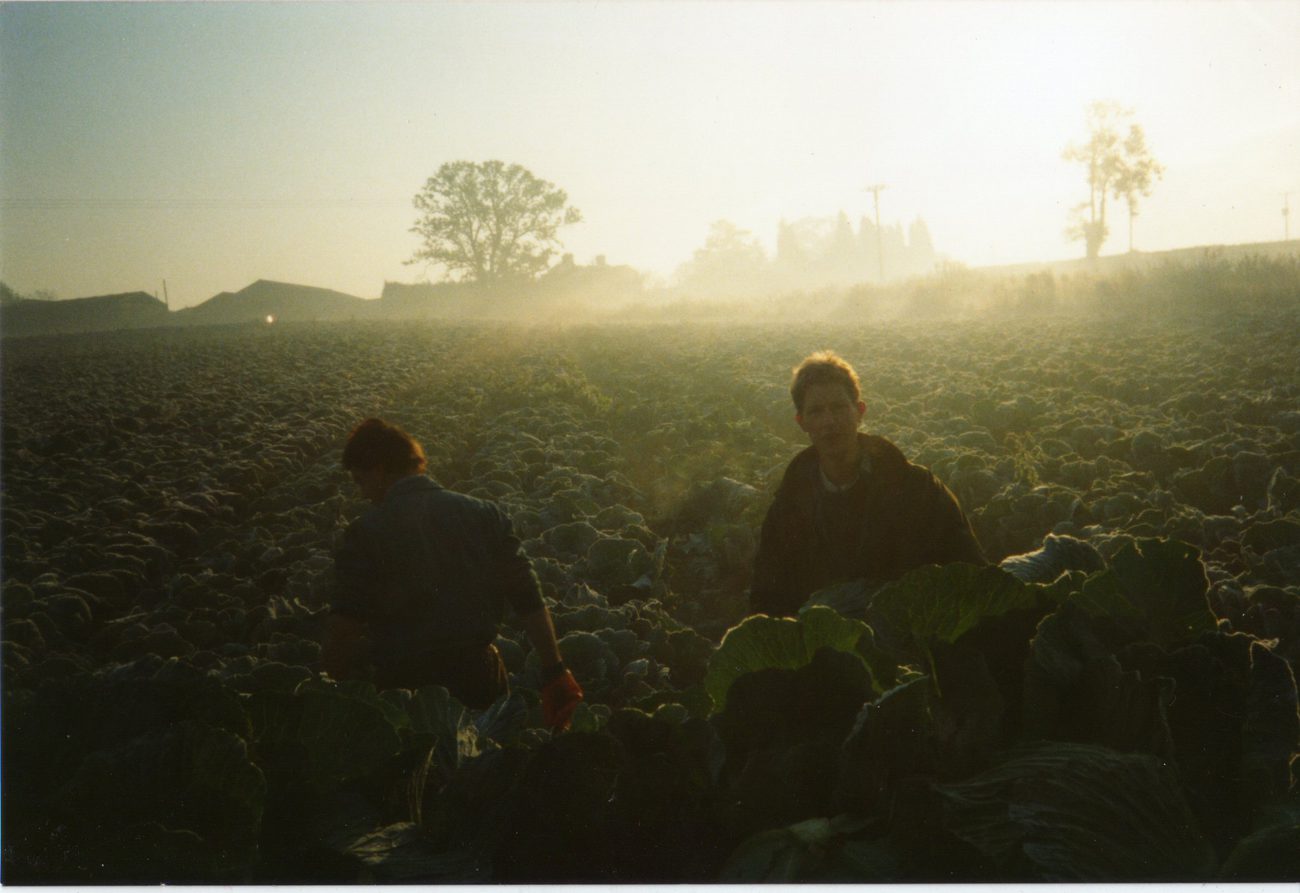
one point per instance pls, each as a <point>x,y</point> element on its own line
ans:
<point>428,568</point>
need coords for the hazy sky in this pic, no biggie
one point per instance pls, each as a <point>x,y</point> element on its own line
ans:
<point>213,144</point>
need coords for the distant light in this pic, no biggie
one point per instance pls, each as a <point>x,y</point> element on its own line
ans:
<point>269,319</point>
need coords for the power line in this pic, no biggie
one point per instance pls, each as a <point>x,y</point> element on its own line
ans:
<point>105,203</point>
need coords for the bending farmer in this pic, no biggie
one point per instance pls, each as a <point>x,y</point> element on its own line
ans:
<point>422,580</point>
<point>850,505</point>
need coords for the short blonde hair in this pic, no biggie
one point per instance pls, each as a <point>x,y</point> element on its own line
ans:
<point>823,367</point>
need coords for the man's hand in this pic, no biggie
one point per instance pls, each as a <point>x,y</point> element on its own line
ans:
<point>560,697</point>
<point>560,691</point>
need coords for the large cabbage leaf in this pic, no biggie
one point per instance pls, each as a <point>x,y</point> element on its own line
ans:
<point>1157,589</point>
<point>662,827</point>
<point>783,731</point>
<point>777,706</point>
<point>189,776</point>
<point>936,605</point>
<point>849,597</point>
<point>892,737</point>
<point>189,785</point>
<point>940,603</point>
<point>505,720</point>
<point>1269,853</point>
<point>1075,689</point>
<point>556,823</point>
<point>327,736</point>
<point>432,713</point>
<point>761,642</point>
<point>1079,812</point>
<point>403,853</point>
<point>819,850</point>
<point>1270,731</point>
<point>1233,723</point>
<point>51,731</point>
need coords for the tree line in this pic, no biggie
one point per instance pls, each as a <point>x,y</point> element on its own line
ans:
<point>494,224</point>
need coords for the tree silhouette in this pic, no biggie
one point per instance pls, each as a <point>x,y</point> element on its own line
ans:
<point>1117,166</point>
<point>789,253</point>
<point>730,261</point>
<point>1138,171</point>
<point>489,222</point>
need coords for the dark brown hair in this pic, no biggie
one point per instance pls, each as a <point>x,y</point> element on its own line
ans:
<point>823,367</point>
<point>376,444</point>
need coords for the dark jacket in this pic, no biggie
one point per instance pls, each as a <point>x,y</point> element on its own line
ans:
<point>897,517</point>
<point>430,570</point>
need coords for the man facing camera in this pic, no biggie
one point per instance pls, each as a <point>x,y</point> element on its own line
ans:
<point>850,506</point>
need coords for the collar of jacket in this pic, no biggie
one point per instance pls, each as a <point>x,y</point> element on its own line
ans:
<point>882,458</point>
<point>864,474</point>
<point>410,484</point>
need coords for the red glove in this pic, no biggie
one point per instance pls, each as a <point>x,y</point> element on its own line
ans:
<point>560,697</point>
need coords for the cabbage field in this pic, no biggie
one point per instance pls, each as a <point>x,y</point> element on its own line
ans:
<point>171,499</point>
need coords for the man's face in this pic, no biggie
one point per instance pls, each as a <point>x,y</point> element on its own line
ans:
<point>830,417</point>
<point>371,482</point>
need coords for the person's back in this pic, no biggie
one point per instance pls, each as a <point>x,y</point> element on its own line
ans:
<point>424,578</point>
<point>432,571</point>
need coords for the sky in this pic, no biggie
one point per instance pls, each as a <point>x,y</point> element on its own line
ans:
<point>209,145</point>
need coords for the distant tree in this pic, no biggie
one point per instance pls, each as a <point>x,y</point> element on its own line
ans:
<point>895,242</point>
<point>844,262</point>
<point>920,247</point>
<point>730,262</point>
<point>1117,166</point>
<point>841,248</point>
<point>815,237</point>
<point>489,222</point>
<point>1138,171</point>
<point>869,244</point>
<point>8,295</point>
<point>919,239</point>
<point>789,253</point>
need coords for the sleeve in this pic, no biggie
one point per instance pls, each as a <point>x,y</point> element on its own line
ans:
<point>953,538</point>
<point>516,578</point>
<point>355,575</point>
<point>772,589</point>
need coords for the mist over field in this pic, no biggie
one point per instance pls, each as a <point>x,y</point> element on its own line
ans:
<point>719,149</point>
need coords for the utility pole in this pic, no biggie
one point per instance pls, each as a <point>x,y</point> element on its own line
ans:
<point>1286,215</point>
<point>880,246</point>
<point>166,300</point>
